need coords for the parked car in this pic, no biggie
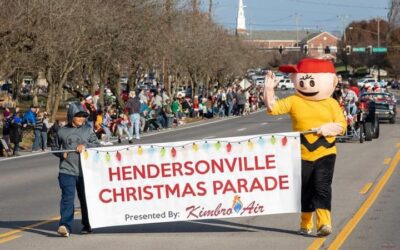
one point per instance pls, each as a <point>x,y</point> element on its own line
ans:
<point>385,105</point>
<point>285,84</point>
<point>259,81</point>
<point>279,76</point>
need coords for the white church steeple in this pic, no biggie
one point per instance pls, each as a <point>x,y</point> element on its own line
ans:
<point>241,20</point>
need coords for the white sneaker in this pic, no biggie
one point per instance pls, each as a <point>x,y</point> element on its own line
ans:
<point>63,231</point>
<point>325,230</point>
<point>109,143</point>
<point>304,231</point>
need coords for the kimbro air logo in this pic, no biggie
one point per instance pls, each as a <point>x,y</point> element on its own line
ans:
<point>237,204</point>
<point>237,207</point>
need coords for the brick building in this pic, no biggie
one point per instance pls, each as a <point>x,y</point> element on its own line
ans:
<point>313,43</point>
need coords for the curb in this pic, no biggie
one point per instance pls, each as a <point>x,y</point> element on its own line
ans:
<point>182,127</point>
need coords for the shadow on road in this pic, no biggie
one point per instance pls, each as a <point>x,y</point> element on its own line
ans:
<point>203,226</point>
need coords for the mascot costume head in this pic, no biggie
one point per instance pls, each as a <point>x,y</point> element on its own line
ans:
<point>314,79</point>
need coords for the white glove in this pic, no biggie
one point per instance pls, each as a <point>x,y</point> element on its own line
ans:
<point>269,93</point>
<point>330,129</point>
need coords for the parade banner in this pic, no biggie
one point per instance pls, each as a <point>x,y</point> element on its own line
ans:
<point>205,179</point>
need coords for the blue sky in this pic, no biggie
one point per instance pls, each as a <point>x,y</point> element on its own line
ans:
<point>312,14</point>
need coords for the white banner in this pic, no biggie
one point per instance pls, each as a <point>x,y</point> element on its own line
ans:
<point>218,178</point>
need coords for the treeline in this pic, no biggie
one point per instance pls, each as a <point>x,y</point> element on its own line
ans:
<point>365,33</point>
<point>92,42</point>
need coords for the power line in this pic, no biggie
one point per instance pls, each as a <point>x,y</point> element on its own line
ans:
<point>340,5</point>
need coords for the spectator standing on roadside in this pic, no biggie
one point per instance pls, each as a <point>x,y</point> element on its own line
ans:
<point>53,131</point>
<point>74,136</point>
<point>175,107</point>
<point>16,131</point>
<point>37,141</point>
<point>133,105</point>
<point>30,116</point>
<point>241,99</point>
<point>7,126</point>
<point>196,106</point>
<point>45,129</point>
<point>229,100</point>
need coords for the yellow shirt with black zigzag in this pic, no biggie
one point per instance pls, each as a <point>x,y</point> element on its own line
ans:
<point>308,115</point>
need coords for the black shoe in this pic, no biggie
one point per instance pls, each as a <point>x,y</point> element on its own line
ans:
<point>119,140</point>
<point>86,230</point>
<point>130,141</point>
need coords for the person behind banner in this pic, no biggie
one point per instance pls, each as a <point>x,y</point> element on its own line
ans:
<point>74,136</point>
<point>312,108</point>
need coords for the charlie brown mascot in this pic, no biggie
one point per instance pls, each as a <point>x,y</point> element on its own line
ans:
<point>312,108</point>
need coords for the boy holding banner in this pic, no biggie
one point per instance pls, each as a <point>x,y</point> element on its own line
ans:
<point>74,136</point>
<point>312,108</point>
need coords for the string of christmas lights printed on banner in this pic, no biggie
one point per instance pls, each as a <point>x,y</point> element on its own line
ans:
<point>197,145</point>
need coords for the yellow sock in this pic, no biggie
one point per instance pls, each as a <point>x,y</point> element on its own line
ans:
<point>306,220</point>
<point>323,218</point>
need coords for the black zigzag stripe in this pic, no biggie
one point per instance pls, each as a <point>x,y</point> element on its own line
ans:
<point>321,142</point>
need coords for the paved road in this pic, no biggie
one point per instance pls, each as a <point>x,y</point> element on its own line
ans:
<point>29,195</point>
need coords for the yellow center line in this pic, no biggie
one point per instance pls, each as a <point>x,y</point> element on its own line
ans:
<point>9,238</point>
<point>386,161</point>
<point>317,243</point>
<point>366,188</point>
<point>348,228</point>
<point>21,229</point>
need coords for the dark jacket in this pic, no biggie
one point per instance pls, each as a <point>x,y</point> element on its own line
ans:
<point>7,125</point>
<point>16,130</point>
<point>133,105</point>
<point>68,138</point>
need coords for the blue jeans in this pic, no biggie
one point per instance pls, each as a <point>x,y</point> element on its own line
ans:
<point>107,133</point>
<point>68,183</point>
<point>230,108</point>
<point>44,140</point>
<point>135,120</point>
<point>351,109</point>
<point>121,129</point>
<point>37,142</point>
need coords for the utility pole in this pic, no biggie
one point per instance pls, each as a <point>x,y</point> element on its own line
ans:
<point>210,6</point>
<point>379,45</point>
<point>166,86</point>
<point>296,20</point>
<point>194,6</point>
<point>379,36</point>
<point>344,18</point>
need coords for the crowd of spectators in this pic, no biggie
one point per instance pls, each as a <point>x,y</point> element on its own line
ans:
<point>154,110</point>
<point>144,111</point>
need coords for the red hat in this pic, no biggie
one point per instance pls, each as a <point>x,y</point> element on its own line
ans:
<point>309,65</point>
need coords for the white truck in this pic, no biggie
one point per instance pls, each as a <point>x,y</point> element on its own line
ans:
<point>285,84</point>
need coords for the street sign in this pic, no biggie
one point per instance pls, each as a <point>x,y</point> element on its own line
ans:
<point>379,50</point>
<point>358,49</point>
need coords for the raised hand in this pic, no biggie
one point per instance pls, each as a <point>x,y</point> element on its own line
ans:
<point>270,81</point>
<point>269,93</point>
